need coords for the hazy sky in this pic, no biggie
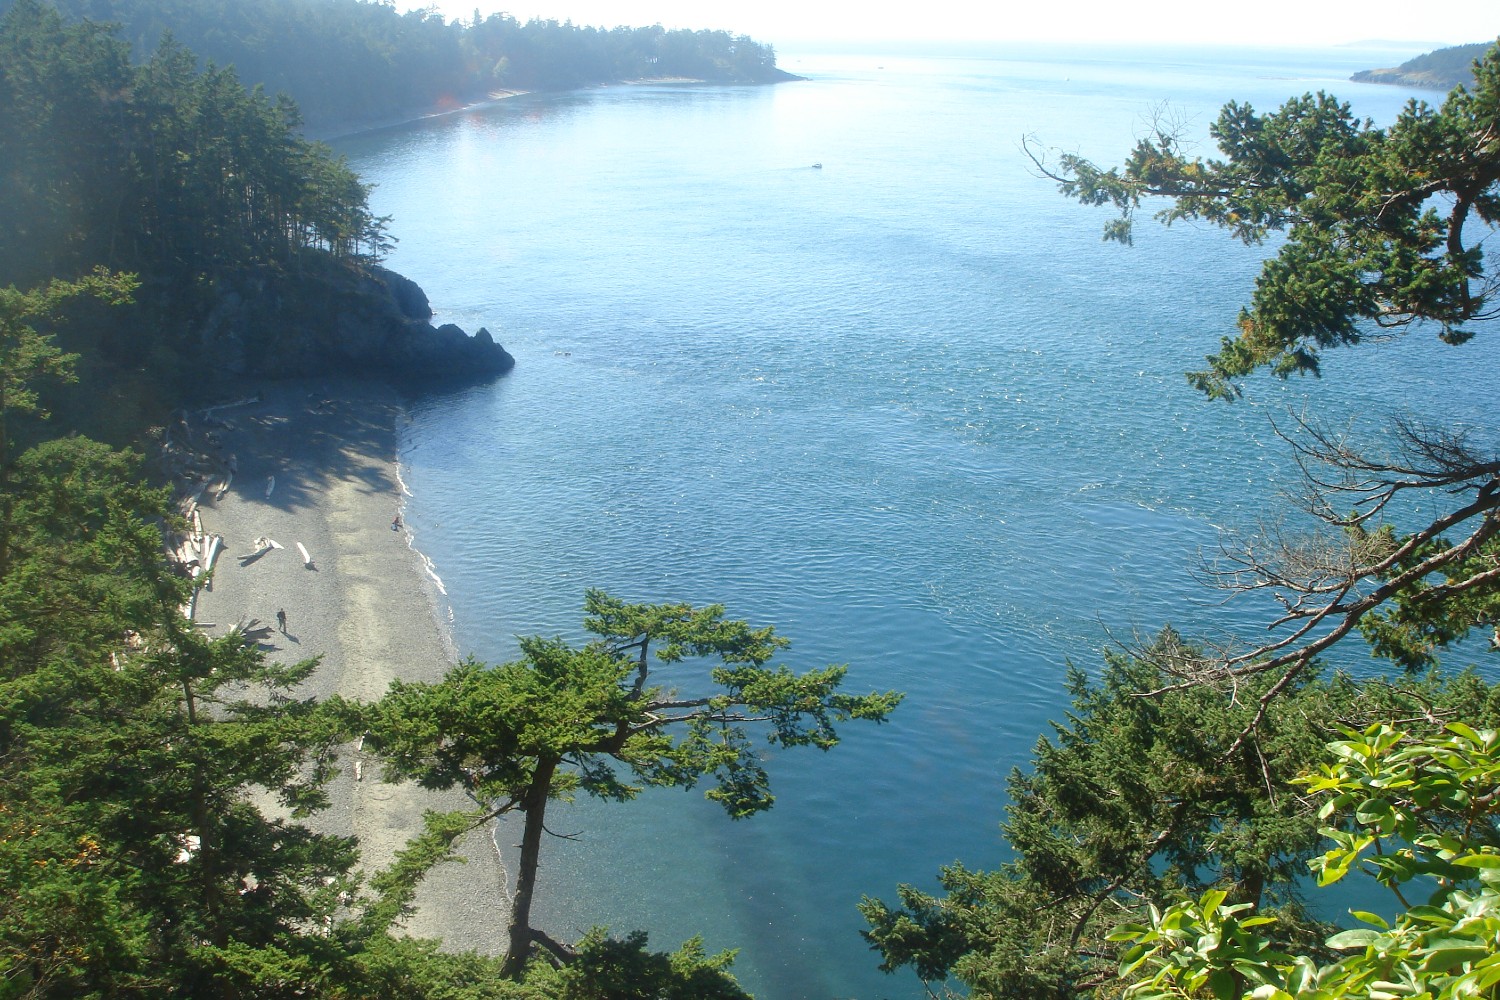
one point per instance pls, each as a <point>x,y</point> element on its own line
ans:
<point>795,23</point>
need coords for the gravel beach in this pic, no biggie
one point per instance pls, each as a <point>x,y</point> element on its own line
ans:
<point>315,467</point>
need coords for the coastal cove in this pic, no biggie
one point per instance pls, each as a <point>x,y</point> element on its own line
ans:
<point>907,407</point>
<point>315,469</point>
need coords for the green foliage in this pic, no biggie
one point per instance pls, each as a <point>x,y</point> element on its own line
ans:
<point>1438,609</point>
<point>622,969</point>
<point>136,858</point>
<point>27,355</point>
<point>347,64</point>
<point>1383,227</point>
<point>1215,947</point>
<point>131,859</point>
<point>1378,230</point>
<point>395,887</point>
<point>1160,838</point>
<point>597,719</point>
<point>176,175</point>
<point>1412,812</point>
<point>1135,802</point>
<point>604,968</point>
<point>483,728</point>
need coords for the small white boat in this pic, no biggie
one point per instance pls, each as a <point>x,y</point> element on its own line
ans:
<point>306,559</point>
<point>270,485</point>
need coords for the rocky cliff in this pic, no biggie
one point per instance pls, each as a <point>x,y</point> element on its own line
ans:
<point>338,318</point>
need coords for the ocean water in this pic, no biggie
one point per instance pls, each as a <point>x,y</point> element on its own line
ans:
<point>905,405</point>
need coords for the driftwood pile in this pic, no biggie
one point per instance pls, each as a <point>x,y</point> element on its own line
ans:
<point>195,461</point>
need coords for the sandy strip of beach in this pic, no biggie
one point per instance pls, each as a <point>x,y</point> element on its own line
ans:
<point>315,466</point>
<point>493,97</point>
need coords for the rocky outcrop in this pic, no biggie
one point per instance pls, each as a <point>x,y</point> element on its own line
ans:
<point>408,295</point>
<point>447,351</point>
<point>340,319</point>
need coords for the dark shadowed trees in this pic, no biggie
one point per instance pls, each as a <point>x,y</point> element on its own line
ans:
<point>357,64</point>
<point>160,169</point>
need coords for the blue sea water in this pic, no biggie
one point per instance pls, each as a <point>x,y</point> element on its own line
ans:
<point>905,405</point>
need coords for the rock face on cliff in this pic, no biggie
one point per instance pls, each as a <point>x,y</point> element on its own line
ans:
<point>341,319</point>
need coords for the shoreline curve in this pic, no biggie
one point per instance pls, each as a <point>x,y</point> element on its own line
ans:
<point>366,601</point>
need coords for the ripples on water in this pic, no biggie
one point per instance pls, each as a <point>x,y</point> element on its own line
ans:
<point>907,407</point>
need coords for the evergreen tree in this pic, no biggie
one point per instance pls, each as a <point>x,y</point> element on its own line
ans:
<point>1168,809</point>
<point>1136,802</point>
<point>597,719</point>
<point>153,782</point>
<point>1384,232</point>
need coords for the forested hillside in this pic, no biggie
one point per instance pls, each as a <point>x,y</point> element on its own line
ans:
<point>1441,69</point>
<point>164,229</point>
<point>350,62</point>
<point>250,245</point>
<point>135,137</point>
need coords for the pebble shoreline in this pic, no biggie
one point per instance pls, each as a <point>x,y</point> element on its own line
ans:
<point>315,465</point>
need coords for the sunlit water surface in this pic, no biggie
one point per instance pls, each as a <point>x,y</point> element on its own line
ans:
<point>904,405</point>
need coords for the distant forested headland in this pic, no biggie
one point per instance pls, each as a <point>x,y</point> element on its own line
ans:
<point>167,139</point>
<point>1441,69</point>
<point>249,249</point>
<point>348,63</point>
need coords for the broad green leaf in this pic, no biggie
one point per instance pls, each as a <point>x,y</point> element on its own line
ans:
<point>1358,937</point>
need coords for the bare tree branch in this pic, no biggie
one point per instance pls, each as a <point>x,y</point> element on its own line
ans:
<point>1328,581</point>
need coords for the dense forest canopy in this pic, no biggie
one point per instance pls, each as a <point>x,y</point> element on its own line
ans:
<point>155,166</point>
<point>353,62</point>
<point>179,176</point>
<point>142,136</point>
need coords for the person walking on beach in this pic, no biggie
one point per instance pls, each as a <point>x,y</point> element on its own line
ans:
<point>281,619</point>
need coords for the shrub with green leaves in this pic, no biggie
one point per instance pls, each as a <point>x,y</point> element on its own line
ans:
<point>1416,814</point>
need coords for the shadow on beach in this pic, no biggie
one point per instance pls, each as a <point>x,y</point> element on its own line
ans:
<point>301,439</point>
<point>314,471</point>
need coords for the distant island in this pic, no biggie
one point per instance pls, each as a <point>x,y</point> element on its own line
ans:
<point>1442,69</point>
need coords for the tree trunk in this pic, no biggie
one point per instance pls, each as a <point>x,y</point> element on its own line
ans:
<point>534,808</point>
